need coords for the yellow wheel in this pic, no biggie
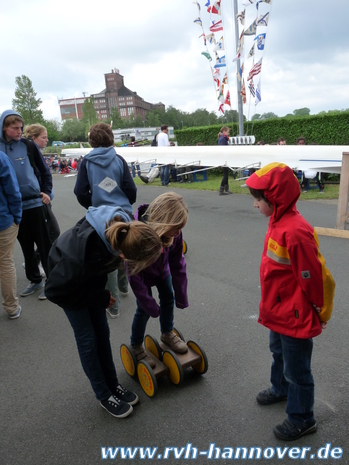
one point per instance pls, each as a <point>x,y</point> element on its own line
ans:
<point>128,360</point>
<point>147,379</point>
<point>185,247</point>
<point>153,346</point>
<point>202,366</point>
<point>179,334</point>
<point>170,359</point>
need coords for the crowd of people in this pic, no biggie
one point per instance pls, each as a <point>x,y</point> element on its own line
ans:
<point>112,247</point>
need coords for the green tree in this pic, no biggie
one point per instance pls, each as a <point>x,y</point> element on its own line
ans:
<point>53,130</point>
<point>255,117</point>
<point>74,130</point>
<point>115,117</point>
<point>89,112</point>
<point>25,101</point>
<point>302,112</point>
<point>268,115</point>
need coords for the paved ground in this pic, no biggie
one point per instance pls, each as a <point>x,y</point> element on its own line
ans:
<point>48,413</point>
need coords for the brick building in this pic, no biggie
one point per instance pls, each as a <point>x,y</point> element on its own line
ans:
<point>115,95</point>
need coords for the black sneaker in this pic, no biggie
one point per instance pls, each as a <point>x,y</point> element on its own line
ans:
<point>127,396</point>
<point>290,432</point>
<point>144,179</point>
<point>117,407</point>
<point>267,397</point>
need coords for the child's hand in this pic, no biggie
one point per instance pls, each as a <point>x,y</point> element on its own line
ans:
<point>111,301</point>
<point>318,310</point>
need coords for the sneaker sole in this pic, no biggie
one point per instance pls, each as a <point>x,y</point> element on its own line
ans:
<point>42,298</point>
<point>123,415</point>
<point>262,402</point>
<point>112,315</point>
<point>22,294</point>
<point>279,435</point>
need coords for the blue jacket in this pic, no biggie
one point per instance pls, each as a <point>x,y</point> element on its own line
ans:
<point>171,262</point>
<point>28,182</point>
<point>223,140</point>
<point>104,179</point>
<point>10,196</point>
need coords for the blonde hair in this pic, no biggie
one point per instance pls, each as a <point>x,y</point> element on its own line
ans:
<point>168,211</point>
<point>138,242</point>
<point>34,130</point>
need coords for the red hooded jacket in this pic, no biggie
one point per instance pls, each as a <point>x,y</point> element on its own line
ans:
<point>293,273</point>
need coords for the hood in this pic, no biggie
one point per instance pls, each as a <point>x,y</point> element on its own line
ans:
<point>4,115</point>
<point>101,156</point>
<point>139,215</point>
<point>100,217</point>
<point>280,185</point>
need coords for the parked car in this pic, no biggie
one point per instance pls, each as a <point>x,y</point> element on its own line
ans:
<point>58,143</point>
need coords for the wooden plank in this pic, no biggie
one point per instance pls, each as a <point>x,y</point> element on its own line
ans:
<point>342,210</point>
<point>332,232</point>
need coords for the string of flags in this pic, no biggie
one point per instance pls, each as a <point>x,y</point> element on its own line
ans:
<point>255,49</point>
<point>216,56</point>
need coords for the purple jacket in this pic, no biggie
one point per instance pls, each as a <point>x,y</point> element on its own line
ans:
<point>171,262</point>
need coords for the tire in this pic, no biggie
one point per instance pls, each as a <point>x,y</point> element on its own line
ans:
<point>176,374</point>
<point>128,360</point>
<point>202,366</point>
<point>153,346</point>
<point>147,379</point>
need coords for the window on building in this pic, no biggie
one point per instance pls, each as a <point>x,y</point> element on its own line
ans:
<point>130,111</point>
<point>122,111</point>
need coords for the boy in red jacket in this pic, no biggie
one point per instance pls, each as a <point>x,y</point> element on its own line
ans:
<point>297,297</point>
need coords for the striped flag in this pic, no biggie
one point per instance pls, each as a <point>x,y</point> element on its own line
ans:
<point>251,30</point>
<point>217,26</point>
<point>251,87</point>
<point>256,69</point>
<point>243,91</point>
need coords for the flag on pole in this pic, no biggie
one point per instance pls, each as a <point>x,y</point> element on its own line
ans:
<point>248,2</point>
<point>217,26</point>
<point>241,42</point>
<point>241,17</point>
<point>198,5</point>
<point>256,69</point>
<point>216,8</point>
<point>262,20</point>
<point>260,41</point>
<point>217,81</point>
<point>258,93</point>
<point>251,52</point>
<point>251,30</point>
<point>251,87</point>
<point>216,72</point>
<point>198,21</point>
<point>238,56</point>
<point>211,38</point>
<point>227,99</point>
<point>221,108</point>
<point>220,63</point>
<point>207,55</point>
<point>239,74</point>
<point>243,91</point>
<point>219,45</point>
<point>208,6</point>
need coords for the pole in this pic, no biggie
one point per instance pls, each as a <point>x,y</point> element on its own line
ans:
<point>240,106</point>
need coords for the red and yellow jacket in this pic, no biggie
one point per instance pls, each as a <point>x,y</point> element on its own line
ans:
<point>293,273</point>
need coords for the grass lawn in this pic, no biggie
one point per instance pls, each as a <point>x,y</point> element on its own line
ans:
<point>213,182</point>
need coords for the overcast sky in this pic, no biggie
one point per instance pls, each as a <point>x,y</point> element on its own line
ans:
<point>66,47</point>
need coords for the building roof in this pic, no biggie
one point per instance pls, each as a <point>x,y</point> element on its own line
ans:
<point>123,91</point>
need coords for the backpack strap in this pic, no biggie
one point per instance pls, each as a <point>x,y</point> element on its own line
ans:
<point>31,150</point>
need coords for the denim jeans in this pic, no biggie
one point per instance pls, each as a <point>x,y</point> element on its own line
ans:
<point>117,281</point>
<point>91,332</point>
<point>140,320</point>
<point>165,175</point>
<point>291,375</point>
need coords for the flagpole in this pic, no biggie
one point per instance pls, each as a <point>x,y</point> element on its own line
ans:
<point>240,106</point>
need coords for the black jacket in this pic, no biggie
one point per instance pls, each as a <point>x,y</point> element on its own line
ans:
<point>78,265</point>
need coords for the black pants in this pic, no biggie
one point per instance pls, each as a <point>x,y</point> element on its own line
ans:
<point>225,176</point>
<point>33,230</point>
